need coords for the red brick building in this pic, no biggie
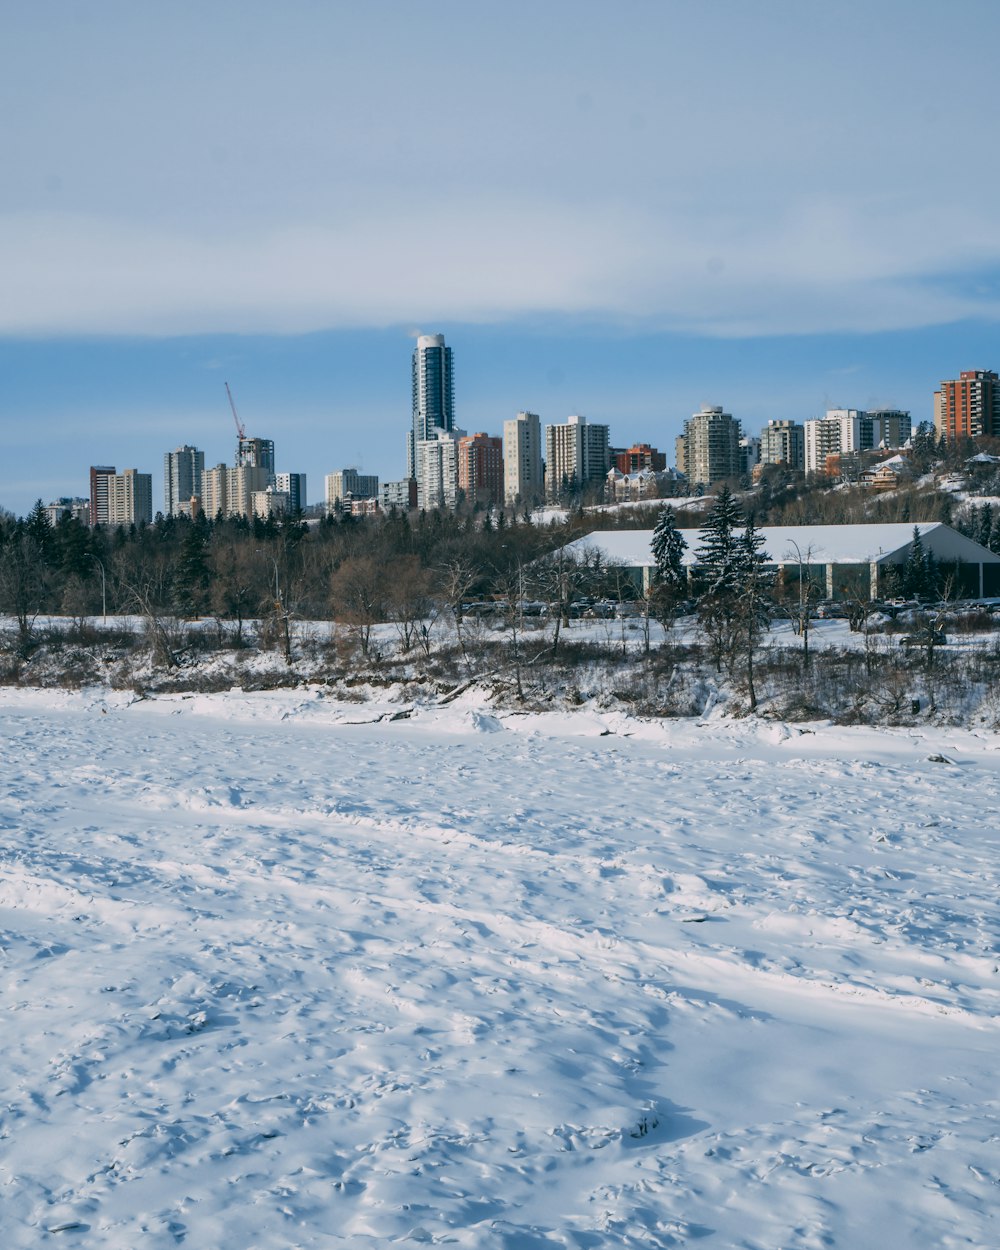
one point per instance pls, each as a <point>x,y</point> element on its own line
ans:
<point>480,468</point>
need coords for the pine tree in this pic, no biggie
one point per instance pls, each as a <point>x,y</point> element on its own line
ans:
<point>718,566</point>
<point>916,571</point>
<point>984,525</point>
<point>716,552</point>
<point>750,613</point>
<point>668,547</point>
<point>191,575</point>
<point>669,576</point>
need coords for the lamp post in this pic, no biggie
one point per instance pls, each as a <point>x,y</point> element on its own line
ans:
<point>104,587</point>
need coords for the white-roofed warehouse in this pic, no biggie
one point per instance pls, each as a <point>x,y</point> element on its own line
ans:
<point>841,557</point>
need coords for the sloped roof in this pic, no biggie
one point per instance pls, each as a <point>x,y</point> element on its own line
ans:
<point>816,544</point>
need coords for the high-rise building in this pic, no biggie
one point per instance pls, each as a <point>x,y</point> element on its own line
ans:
<point>255,453</point>
<point>182,470</point>
<point>891,427</point>
<point>130,498</point>
<point>969,406</point>
<point>522,459</point>
<point>709,449</point>
<point>638,457</point>
<point>346,485</point>
<point>398,496</point>
<point>841,431</point>
<point>433,394</point>
<point>783,442</point>
<point>294,486</point>
<point>99,474</point>
<point>437,469</point>
<point>576,455</point>
<point>480,468</point>
<point>749,454</point>
<point>229,491</point>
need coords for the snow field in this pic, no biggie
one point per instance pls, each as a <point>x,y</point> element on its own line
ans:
<point>276,977</point>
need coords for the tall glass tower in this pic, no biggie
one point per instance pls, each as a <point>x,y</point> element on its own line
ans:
<point>433,394</point>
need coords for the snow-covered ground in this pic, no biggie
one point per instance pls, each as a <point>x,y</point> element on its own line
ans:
<point>280,972</point>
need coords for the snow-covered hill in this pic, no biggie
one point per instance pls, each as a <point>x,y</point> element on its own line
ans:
<point>280,971</point>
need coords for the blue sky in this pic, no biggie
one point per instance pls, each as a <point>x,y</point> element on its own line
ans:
<point>625,211</point>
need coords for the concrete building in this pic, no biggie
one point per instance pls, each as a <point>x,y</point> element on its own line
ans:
<point>348,484</point>
<point>437,469</point>
<point>229,491</point>
<point>480,469</point>
<point>968,406</point>
<point>433,395</point>
<point>256,453</point>
<point>523,480</point>
<point>130,498</point>
<point>783,442</point>
<point>99,475</point>
<point>399,496</point>
<point>842,430</point>
<point>749,454</point>
<point>709,449</point>
<point>182,470</point>
<point>78,509</point>
<point>891,427</point>
<point>577,454</point>
<point>294,486</point>
<point>270,502</point>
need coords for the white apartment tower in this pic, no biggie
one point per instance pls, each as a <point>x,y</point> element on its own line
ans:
<point>576,454</point>
<point>437,469</point>
<point>841,430</point>
<point>294,486</point>
<point>522,459</point>
<point>182,470</point>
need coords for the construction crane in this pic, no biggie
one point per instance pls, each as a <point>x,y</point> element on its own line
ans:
<point>240,428</point>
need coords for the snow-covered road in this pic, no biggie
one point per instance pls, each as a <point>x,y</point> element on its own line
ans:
<point>271,978</point>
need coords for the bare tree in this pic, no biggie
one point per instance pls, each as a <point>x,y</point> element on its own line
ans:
<point>23,583</point>
<point>358,597</point>
<point>409,600</point>
<point>455,580</point>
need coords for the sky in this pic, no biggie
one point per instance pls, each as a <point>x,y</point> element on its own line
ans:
<point>625,211</point>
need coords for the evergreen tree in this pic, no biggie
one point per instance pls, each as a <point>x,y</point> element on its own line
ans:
<point>191,575</point>
<point>716,554</point>
<point>984,525</point>
<point>750,613</point>
<point>668,547</point>
<point>39,528</point>
<point>669,583</point>
<point>719,569</point>
<point>917,572</point>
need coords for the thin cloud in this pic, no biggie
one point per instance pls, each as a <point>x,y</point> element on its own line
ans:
<point>817,269</point>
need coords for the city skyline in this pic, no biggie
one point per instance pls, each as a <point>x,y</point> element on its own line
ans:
<point>628,216</point>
